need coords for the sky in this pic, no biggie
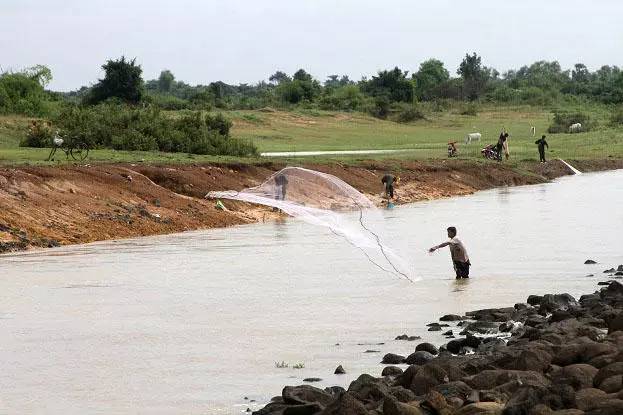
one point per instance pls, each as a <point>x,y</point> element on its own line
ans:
<point>245,41</point>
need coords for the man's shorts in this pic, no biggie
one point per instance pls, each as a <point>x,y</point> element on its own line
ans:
<point>462,269</point>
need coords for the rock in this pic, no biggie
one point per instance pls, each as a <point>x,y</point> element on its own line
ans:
<point>346,404</point>
<point>427,347</point>
<point>609,271</point>
<point>427,377</point>
<point>273,408</point>
<point>618,273</point>
<point>604,282</point>
<point>367,387</point>
<point>481,327</point>
<point>452,317</point>
<point>448,333</point>
<point>589,262</point>
<point>419,358</point>
<point>339,370</point>
<point>372,351</point>
<point>492,395</point>
<point>334,390</point>
<point>393,359</point>
<point>481,408</point>
<point>536,360</point>
<point>309,409</point>
<point>402,394</point>
<point>605,372</point>
<point>407,337</point>
<point>524,399</point>
<point>613,291</point>
<point>578,376</point>
<point>612,384</point>
<point>435,402</point>
<point>554,302</point>
<point>393,407</point>
<point>620,267</point>
<point>434,328</point>
<point>489,379</point>
<point>311,380</point>
<point>589,398</point>
<point>305,394</point>
<point>456,389</point>
<point>534,300</point>
<point>391,371</point>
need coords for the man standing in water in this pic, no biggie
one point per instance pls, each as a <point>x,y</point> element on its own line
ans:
<point>542,144</point>
<point>458,253</point>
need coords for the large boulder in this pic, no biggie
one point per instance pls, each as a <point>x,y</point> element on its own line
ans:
<point>346,404</point>
<point>305,394</point>
<point>393,407</point>
<point>419,358</point>
<point>556,302</point>
<point>427,378</point>
<point>615,323</point>
<point>451,317</point>
<point>393,359</point>
<point>588,398</point>
<point>612,384</point>
<point>309,409</point>
<point>481,327</point>
<point>605,372</point>
<point>391,371</point>
<point>456,389</point>
<point>535,359</point>
<point>427,347</point>
<point>607,407</point>
<point>367,387</point>
<point>524,399</point>
<point>578,376</point>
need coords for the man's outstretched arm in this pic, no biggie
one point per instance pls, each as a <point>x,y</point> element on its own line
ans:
<point>434,248</point>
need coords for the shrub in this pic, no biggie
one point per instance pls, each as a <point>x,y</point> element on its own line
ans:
<point>40,134</point>
<point>562,121</point>
<point>616,120</point>
<point>470,109</point>
<point>123,127</point>
<point>409,114</point>
<point>381,107</point>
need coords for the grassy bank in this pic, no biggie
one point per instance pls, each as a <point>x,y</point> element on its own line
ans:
<point>305,130</point>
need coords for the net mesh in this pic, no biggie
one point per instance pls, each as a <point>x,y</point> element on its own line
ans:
<point>325,200</point>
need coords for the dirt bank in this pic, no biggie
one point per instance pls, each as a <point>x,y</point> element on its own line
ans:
<point>50,206</point>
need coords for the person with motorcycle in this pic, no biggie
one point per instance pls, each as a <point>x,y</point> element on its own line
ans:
<point>452,150</point>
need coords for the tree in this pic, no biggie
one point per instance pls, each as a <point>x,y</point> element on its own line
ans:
<point>122,80</point>
<point>474,75</point>
<point>40,73</point>
<point>165,81</point>
<point>301,75</point>
<point>279,77</point>
<point>429,77</point>
<point>392,84</point>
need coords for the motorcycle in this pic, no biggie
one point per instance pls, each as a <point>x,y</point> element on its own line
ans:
<point>452,150</point>
<point>491,152</point>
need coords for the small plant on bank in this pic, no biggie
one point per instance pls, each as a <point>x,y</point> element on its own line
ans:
<point>470,109</point>
<point>281,365</point>
<point>616,120</point>
<point>299,366</point>
<point>410,114</point>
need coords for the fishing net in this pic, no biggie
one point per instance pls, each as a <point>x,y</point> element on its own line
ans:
<point>324,200</point>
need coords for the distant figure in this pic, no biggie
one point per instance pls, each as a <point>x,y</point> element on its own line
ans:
<point>57,142</point>
<point>533,130</point>
<point>542,144</point>
<point>452,150</point>
<point>457,252</point>
<point>281,182</point>
<point>388,183</point>
<point>503,144</point>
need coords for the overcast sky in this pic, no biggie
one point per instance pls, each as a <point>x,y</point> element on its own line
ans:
<point>247,40</point>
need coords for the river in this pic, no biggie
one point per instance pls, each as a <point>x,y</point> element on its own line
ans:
<point>193,323</point>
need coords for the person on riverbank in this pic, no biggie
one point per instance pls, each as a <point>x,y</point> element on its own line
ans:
<point>388,182</point>
<point>503,145</point>
<point>542,144</point>
<point>460,259</point>
<point>281,188</point>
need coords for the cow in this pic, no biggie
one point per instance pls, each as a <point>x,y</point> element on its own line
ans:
<point>472,137</point>
<point>575,128</point>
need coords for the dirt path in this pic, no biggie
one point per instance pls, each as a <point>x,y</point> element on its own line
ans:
<point>51,206</point>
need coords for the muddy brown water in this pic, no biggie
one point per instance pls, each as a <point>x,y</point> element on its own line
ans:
<point>194,323</point>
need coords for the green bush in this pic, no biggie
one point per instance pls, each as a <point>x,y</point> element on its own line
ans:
<point>21,93</point>
<point>562,121</point>
<point>616,119</point>
<point>470,109</point>
<point>410,114</point>
<point>123,127</point>
<point>40,134</point>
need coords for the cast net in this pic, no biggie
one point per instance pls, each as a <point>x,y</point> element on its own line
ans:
<point>325,200</point>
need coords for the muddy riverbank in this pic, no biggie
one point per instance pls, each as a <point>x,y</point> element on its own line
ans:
<point>553,354</point>
<point>51,206</point>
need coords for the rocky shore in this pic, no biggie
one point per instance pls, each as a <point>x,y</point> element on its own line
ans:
<point>554,354</point>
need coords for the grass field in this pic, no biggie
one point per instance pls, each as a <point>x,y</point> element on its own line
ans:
<point>306,130</point>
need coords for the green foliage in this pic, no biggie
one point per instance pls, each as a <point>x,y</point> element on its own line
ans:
<point>166,81</point>
<point>123,127</point>
<point>23,92</point>
<point>122,80</point>
<point>393,85</point>
<point>343,98</point>
<point>470,109</point>
<point>381,107</point>
<point>616,119</point>
<point>409,114</point>
<point>562,121</point>
<point>475,76</point>
<point>429,77</point>
<point>40,134</point>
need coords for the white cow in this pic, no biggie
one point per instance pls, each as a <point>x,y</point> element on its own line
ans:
<point>472,137</point>
<point>575,128</point>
